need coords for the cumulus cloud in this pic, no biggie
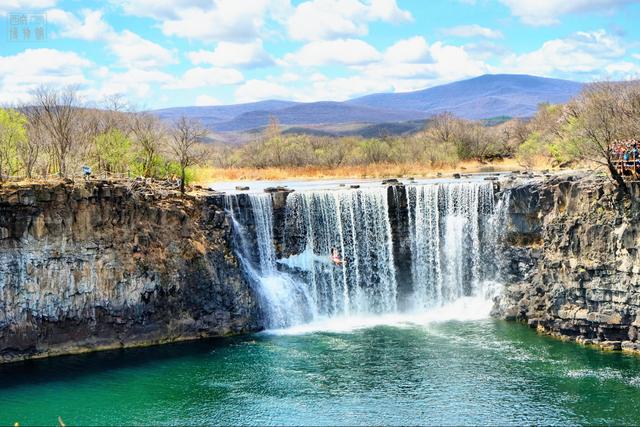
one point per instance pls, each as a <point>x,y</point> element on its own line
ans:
<point>328,19</point>
<point>412,50</point>
<point>202,77</point>
<point>132,50</point>
<point>257,90</point>
<point>136,52</point>
<point>342,51</point>
<point>21,5</point>
<point>583,52</point>
<point>25,71</point>
<point>206,100</point>
<point>228,54</point>
<point>228,20</point>
<point>472,31</point>
<point>548,12</point>
<point>91,27</point>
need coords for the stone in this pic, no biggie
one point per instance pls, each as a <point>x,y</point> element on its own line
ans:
<point>242,188</point>
<point>98,265</point>
<point>457,176</point>
<point>390,181</point>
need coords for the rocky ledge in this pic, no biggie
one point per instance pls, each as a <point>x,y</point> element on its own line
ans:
<point>96,265</point>
<point>573,261</point>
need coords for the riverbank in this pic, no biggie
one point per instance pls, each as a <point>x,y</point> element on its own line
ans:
<point>205,175</point>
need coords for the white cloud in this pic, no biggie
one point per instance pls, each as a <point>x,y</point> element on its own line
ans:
<point>25,71</point>
<point>257,90</point>
<point>228,20</point>
<point>201,77</point>
<point>548,12</point>
<point>136,52</point>
<point>92,27</point>
<point>472,31</point>
<point>133,83</point>
<point>343,51</point>
<point>228,54</point>
<point>582,52</point>
<point>412,50</point>
<point>132,50</point>
<point>328,19</point>
<point>21,5</point>
<point>206,100</point>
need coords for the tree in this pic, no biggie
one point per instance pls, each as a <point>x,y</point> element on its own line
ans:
<point>12,133</point>
<point>60,115</point>
<point>603,114</point>
<point>149,135</point>
<point>29,149</point>
<point>184,139</point>
<point>114,150</point>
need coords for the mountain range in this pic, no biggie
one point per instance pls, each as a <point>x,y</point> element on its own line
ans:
<point>483,97</point>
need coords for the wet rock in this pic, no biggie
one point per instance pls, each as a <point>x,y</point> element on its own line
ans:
<point>354,186</point>
<point>390,181</point>
<point>457,176</point>
<point>242,188</point>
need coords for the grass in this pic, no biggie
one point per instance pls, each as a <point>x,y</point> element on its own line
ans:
<point>378,170</point>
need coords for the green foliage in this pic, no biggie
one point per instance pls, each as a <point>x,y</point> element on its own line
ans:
<point>113,151</point>
<point>13,132</point>
<point>532,148</point>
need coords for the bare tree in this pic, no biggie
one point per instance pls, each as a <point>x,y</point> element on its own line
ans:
<point>59,111</point>
<point>29,150</point>
<point>602,115</point>
<point>185,136</point>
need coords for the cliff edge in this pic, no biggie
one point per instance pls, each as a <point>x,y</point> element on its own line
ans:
<point>97,265</point>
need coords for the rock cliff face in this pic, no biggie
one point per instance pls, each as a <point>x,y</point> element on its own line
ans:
<point>101,265</point>
<point>573,264</point>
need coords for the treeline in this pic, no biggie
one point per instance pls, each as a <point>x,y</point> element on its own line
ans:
<point>55,134</point>
<point>446,140</point>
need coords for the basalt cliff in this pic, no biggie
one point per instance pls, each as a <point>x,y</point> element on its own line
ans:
<point>572,260</point>
<point>98,265</point>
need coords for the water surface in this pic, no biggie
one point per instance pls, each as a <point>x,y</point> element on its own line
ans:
<point>453,372</point>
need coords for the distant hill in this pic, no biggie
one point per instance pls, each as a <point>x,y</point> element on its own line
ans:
<point>491,95</point>
<point>487,97</point>
<point>317,113</point>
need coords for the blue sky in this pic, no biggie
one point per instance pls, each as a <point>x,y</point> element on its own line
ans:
<point>164,53</point>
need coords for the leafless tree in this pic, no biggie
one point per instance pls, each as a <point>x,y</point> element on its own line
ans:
<point>184,139</point>
<point>59,112</point>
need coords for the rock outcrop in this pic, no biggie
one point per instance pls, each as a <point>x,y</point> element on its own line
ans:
<point>573,261</point>
<point>99,265</point>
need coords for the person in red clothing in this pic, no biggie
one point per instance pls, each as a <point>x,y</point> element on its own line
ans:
<point>335,257</point>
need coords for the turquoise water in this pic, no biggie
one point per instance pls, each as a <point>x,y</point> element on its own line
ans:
<point>475,372</point>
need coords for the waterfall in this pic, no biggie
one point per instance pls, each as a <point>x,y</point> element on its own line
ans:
<point>452,235</point>
<point>356,223</point>
<point>284,300</point>
<point>452,231</point>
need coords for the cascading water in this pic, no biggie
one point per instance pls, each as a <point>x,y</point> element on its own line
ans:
<point>453,237</point>
<point>452,228</point>
<point>284,300</point>
<point>356,223</point>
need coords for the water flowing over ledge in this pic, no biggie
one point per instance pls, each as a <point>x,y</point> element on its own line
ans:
<point>411,254</point>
